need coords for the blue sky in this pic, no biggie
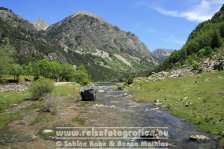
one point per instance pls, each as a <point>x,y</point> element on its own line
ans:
<point>157,23</point>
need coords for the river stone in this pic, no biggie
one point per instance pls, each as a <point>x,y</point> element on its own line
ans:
<point>88,92</point>
<point>47,131</point>
<point>100,91</point>
<point>219,66</point>
<point>199,138</point>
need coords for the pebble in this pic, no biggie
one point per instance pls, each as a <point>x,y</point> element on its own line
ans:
<point>47,131</point>
<point>199,138</point>
<point>101,91</point>
<point>125,94</point>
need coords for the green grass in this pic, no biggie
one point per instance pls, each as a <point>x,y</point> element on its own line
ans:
<point>7,118</point>
<point>204,93</point>
<point>79,120</point>
<point>85,103</point>
<point>68,89</point>
<point>7,99</point>
<point>42,117</point>
<point>21,78</point>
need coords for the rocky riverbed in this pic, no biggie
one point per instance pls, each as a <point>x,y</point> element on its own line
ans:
<point>14,87</point>
<point>115,108</point>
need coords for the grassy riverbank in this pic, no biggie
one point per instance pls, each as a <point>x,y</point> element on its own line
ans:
<point>9,100</point>
<point>199,98</point>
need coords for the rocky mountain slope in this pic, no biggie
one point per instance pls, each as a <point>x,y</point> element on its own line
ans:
<point>40,24</point>
<point>100,46</point>
<point>107,52</point>
<point>162,54</point>
<point>30,44</point>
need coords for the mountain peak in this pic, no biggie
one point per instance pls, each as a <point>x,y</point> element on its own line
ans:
<point>85,13</point>
<point>40,24</point>
<point>16,21</point>
<point>98,44</point>
<point>6,9</point>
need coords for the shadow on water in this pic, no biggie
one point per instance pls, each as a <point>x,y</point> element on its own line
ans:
<point>114,108</point>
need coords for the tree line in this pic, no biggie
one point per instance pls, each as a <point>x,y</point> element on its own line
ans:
<point>48,69</point>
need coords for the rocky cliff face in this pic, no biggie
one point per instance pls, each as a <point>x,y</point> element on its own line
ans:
<point>162,54</point>
<point>40,24</point>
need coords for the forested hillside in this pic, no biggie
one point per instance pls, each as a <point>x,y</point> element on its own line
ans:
<point>205,41</point>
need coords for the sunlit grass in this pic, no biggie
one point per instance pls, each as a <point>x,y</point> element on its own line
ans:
<point>7,99</point>
<point>68,89</point>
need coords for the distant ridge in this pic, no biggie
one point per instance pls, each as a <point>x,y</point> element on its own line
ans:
<point>162,54</point>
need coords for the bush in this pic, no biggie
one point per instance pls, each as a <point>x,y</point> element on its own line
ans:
<point>41,88</point>
<point>49,105</point>
<point>128,79</point>
<point>197,66</point>
<point>81,76</point>
<point>120,86</point>
<point>16,70</point>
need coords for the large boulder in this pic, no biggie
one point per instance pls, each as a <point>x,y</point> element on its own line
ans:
<point>88,92</point>
<point>219,66</point>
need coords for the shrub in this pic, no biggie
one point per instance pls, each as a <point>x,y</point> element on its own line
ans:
<point>81,76</point>
<point>49,105</point>
<point>16,70</point>
<point>120,87</point>
<point>128,79</point>
<point>202,53</point>
<point>197,66</point>
<point>41,88</point>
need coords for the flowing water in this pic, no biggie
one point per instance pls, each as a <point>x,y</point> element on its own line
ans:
<point>114,108</point>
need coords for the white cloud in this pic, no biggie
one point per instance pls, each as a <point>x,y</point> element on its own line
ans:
<point>204,10</point>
